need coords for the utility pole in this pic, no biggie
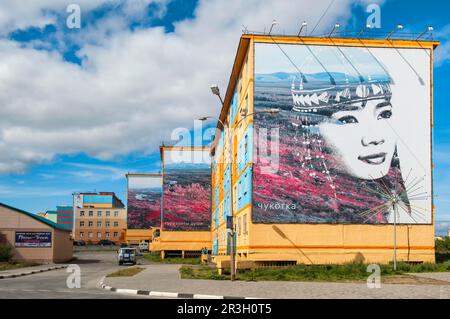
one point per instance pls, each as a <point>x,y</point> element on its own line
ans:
<point>230,219</point>
<point>394,204</point>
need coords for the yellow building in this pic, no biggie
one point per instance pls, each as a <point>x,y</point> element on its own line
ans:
<point>135,236</point>
<point>308,204</point>
<point>186,215</point>
<point>99,216</point>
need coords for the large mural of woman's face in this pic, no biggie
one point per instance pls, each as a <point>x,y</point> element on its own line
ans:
<point>342,155</point>
<point>361,139</point>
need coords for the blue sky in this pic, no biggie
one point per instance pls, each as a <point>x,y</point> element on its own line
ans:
<point>186,46</point>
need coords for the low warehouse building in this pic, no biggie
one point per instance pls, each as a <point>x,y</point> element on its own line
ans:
<point>33,237</point>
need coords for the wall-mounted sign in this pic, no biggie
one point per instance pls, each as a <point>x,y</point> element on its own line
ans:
<point>78,201</point>
<point>34,239</point>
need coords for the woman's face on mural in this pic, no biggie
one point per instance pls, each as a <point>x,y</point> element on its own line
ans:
<point>363,139</point>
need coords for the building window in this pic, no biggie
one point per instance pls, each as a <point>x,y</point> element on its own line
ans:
<point>116,224</point>
<point>91,224</point>
<point>107,234</point>
<point>99,235</point>
<point>82,213</point>
<point>99,224</point>
<point>239,226</point>
<point>116,234</point>
<point>108,213</point>
<point>244,109</point>
<point>240,83</point>
<point>90,235</point>
<point>244,222</point>
<point>91,213</point>
<point>81,224</point>
<point>99,214</point>
<point>107,224</point>
<point>81,234</point>
<point>246,66</point>
<point>116,214</point>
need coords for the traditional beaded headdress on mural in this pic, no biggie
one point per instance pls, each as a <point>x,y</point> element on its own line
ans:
<point>335,98</point>
<point>322,100</point>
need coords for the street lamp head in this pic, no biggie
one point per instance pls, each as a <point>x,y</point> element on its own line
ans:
<point>215,89</point>
<point>203,118</point>
<point>400,26</point>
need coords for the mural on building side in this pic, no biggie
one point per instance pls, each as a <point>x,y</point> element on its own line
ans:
<point>344,135</point>
<point>187,190</point>
<point>144,201</point>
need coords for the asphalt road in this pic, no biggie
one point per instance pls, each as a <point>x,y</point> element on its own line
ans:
<point>53,284</point>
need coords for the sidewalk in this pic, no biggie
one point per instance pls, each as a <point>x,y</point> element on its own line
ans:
<point>165,278</point>
<point>19,272</point>
<point>442,276</point>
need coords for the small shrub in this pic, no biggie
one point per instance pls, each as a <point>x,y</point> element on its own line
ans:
<point>6,252</point>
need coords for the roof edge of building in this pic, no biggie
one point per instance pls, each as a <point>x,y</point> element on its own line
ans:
<point>38,218</point>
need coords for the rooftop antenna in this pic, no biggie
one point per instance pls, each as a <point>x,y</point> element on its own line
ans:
<point>332,80</point>
<point>397,28</point>
<point>323,15</point>
<point>367,27</point>
<point>361,78</point>
<point>304,26</point>
<point>336,26</point>
<point>428,29</point>
<point>274,23</point>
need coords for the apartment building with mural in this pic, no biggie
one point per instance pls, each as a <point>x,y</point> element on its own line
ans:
<point>313,180</point>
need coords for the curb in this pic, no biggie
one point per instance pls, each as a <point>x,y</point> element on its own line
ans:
<point>32,272</point>
<point>164,294</point>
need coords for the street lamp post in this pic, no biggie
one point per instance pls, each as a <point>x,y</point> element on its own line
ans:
<point>215,90</point>
<point>394,206</point>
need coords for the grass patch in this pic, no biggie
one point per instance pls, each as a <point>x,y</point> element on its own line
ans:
<point>128,272</point>
<point>172,260</point>
<point>16,265</point>
<point>192,272</point>
<point>319,273</point>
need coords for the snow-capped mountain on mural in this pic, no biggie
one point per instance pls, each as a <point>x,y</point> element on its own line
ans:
<point>144,202</point>
<point>187,195</point>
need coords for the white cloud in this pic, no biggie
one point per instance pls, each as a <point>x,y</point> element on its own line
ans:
<point>442,54</point>
<point>133,88</point>
<point>23,14</point>
<point>94,173</point>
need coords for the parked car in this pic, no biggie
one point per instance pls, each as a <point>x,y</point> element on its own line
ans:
<point>127,255</point>
<point>123,245</point>
<point>106,242</point>
<point>79,243</point>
